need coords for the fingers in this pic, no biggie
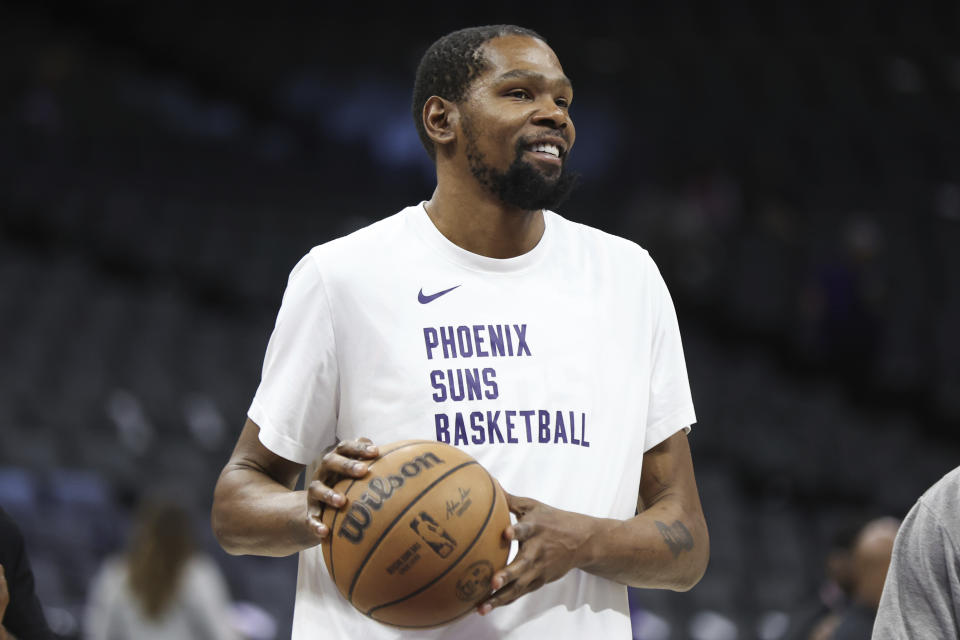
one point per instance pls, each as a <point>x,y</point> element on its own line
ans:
<point>320,495</point>
<point>525,573</point>
<point>509,573</point>
<point>515,580</point>
<point>319,498</point>
<point>346,459</point>
<point>520,576</point>
<point>519,505</point>
<point>350,459</point>
<point>521,531</point>
<point>359,448</point>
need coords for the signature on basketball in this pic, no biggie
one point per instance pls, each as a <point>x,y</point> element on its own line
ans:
<point>459,506</point>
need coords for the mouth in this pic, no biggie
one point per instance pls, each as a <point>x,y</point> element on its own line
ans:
<point>548,150</point>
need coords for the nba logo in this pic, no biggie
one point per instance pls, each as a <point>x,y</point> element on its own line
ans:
<point>434,535</point>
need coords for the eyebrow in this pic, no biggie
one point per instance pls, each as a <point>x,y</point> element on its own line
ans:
<point>532,75</point>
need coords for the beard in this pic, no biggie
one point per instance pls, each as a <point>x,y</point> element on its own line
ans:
<point>522,185</point>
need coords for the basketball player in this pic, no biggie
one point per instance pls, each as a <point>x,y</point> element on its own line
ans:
<point>546,349</point>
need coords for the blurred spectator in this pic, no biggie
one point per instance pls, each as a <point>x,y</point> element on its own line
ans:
<point>921,596</point>
<point>20,612</point>
<point>162,588</point>
<point>871,558</point>
<point>820,617</point>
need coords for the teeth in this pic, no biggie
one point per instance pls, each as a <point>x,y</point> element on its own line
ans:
<point>547,148</point>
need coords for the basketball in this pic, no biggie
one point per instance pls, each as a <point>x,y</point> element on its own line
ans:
<point>419,537</point>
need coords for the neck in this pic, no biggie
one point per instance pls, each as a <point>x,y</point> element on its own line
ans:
<point>476,220</point>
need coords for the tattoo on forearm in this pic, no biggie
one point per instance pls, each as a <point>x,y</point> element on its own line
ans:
<point>677,537</point>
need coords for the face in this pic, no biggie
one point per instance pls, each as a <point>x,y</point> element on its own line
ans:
<point>516,124</point>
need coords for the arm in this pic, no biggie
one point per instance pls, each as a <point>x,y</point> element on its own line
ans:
<point>665,546</point>
<point>255,507</point>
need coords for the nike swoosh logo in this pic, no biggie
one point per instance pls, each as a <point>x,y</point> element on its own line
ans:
<point>425,299</point>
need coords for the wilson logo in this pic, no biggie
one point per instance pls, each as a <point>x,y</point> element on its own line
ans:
<point>360,514</point>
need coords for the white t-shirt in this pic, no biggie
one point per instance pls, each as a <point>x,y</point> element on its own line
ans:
<point>556,370</point>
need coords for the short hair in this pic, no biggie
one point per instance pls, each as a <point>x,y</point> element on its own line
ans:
<point>450,66</point>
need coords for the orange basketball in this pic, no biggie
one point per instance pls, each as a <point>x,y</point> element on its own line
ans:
<point>420,536</point>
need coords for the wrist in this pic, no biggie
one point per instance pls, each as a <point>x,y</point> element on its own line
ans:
<point>594,542</point>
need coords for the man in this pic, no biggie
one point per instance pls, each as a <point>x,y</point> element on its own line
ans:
<point>547,350</point>
<point>818,616</point>
<point>21,614</point>
<point>921,596</point>
<point>869,562</point>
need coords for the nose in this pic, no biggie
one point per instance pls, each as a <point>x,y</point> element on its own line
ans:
<point>550,114</point>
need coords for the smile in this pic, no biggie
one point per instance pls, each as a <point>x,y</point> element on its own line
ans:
<point>546,153</point>
<point>551,149</point>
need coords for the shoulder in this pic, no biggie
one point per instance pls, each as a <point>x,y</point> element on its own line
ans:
<point>941,502</point>
<point>361,250</point>
<point>618,262</point>
<point>946,488</point>
<point>596,240</point>
<point>363,243</point>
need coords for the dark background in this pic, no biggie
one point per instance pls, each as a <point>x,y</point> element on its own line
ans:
<point>793,167</point>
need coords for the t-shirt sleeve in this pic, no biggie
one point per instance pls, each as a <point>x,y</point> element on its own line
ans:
<point>921,595</point>
<point>296,404</point>
<point>670,406</point>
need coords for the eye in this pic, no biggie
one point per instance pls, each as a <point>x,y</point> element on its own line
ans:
<point>563,103</point>
<point>522,94</point>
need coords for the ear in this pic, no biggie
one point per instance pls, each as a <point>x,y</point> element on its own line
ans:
<point>440,119</point>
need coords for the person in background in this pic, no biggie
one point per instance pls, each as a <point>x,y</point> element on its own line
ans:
<point>161,588</point>
<point>921,595</point>
<point>21,615</point>
<point>817,616</point>
<point>871,558</point>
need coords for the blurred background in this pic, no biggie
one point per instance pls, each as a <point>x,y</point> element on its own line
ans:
<point>793,167</point>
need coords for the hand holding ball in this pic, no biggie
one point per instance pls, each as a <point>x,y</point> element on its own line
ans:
<point>420,536</point>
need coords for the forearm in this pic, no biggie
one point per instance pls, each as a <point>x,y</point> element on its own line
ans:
<point>255,515</point>
<point>664,547</point>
